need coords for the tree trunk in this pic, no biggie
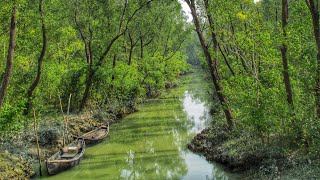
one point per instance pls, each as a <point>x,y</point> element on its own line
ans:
<point>276,7</point>
<point>89,81</point>
<point>40,60</point>
<point>130,55</point>
<point>141,46</point>
<point>6,78</point>
<point>89,57</point>
<point>212,67</point>
<point>318,85</point>
<point>314,11</point>
<point>114,63</point>
<point>286,77</point>
<point>226,61</point>
<point>132,44</point>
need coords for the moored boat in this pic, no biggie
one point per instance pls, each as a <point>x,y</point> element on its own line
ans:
<point>67,157</point>
<point>96,135</point>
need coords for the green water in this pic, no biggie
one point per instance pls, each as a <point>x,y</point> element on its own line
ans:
<point>151,144</point>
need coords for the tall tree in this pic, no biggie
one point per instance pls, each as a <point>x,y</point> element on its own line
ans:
<point>286,77</point>
<point>40,60</point>
<point>6,78</point>
<point>314,11</point>
<point>211,64</point>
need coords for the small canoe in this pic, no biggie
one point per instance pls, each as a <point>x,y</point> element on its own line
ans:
<point>67,157</point>
<point>95,136</point>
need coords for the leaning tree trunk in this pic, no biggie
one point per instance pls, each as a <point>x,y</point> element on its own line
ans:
<point>286,77</point>
<point>314,11</point>
<point>40,60</point>
<point>6,78</point>
<point>221,97</point>
<point>212,66</point>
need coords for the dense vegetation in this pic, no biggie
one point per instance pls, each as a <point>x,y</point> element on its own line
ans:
<point>106,55</point>
<point>264,61</point>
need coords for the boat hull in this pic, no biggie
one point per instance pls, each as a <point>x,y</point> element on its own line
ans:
<point>56,167</point>
<point>58,162</point>
<point>90,139</point>
<point>90,142</point>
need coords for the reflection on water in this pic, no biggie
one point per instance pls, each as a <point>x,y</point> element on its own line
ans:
<point>197,112</point>
<point>151,144</point>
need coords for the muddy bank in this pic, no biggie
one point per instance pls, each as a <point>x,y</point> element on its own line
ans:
<point>215,149</point>
<point>252,158</point>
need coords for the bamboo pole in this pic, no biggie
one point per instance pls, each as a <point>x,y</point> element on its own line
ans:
<point>69,104</point>
<point>37,140</point>
<point>67,118</point>
<point>64,121</point>
<point>108,127</point>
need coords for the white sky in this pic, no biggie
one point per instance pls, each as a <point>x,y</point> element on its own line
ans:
<point>186,9</point>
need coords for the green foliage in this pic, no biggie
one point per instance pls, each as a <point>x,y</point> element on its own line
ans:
<point>175,66</point>
<point>153,78</point>
<point>11,120</point>
<point>72,82</point>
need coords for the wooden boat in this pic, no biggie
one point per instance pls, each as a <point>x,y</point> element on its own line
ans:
<point>67,157</point>
<point>96,135</point>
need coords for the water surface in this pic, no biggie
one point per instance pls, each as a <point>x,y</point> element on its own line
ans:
<point>151,144</point>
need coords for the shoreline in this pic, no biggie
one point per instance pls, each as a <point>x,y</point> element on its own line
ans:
<point>263,163</point>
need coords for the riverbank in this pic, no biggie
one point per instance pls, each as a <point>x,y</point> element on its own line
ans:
<point>253,159</point>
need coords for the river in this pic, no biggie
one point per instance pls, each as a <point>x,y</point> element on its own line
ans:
<point>151,143</point>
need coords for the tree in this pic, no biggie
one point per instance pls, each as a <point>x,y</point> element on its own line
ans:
<point>286,77</point>
<point>40,60</point>
<point>6,78</point>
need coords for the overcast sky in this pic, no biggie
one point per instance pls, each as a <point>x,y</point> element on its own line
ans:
<point>186,9</point>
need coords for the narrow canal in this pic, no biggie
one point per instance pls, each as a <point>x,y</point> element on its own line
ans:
<point>151,143</point>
